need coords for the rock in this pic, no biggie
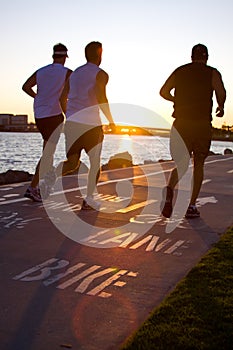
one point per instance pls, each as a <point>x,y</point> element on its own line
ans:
<point>14,176</point>
<point>211,153</point>
<point>164,160</point>
<point>228,151</point>
<point>148,161</point>
<point>120,160</point>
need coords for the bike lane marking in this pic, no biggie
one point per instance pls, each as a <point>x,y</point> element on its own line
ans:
<point>4,202</point>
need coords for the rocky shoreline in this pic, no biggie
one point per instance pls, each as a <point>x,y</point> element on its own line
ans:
<point>118,161</point>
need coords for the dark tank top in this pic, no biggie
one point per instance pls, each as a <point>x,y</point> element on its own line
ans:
<point>193,92</point>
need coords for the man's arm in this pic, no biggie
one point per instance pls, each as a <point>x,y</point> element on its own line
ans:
<point>220,92</point>
<point>101,82</point>
<point>169,85</point>
<point>65,91</point>
<point>29,84</point>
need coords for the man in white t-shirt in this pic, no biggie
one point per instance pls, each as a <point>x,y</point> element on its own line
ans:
<point>48,108</point>
<point>83,128</point>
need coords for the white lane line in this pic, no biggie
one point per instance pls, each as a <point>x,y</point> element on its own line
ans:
<point>84,187</point>
<point>206,181</point>
<point>11,195</point>
<point>15,201</point>
<point>112,181</point>
<point>219,160</point>
<point>230,171</point>
<point>136,206</point>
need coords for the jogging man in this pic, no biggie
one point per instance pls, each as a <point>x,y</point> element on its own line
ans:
<point>48,112</point>
<point>83,128</point>
<point>193,85</point>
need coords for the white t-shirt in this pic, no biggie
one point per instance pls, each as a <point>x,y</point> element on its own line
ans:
<point>82,105</point>
<point>50,82</point>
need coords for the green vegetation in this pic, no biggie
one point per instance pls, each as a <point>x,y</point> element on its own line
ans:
<point>198,314</point>
<point>223,134</point>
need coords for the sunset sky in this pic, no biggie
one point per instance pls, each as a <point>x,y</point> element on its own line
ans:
<point>143,42</point>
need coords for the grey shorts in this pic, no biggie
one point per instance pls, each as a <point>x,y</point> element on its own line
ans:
<point>82,136</point>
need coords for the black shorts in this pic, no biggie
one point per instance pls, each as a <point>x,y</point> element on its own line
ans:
<point>47,126</point>
<point>195,135</point>
<point>81,136</point>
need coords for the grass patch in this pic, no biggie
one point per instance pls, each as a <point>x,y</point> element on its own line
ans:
<point>198,314</point>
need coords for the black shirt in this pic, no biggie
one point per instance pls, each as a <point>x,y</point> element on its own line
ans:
<point>193,92</point>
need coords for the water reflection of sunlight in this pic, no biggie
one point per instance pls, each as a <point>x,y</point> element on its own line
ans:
<point>125,144</point>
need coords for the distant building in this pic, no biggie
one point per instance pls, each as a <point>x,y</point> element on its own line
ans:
<point>18,122</point>
<point>5,119</point>
<point>19,119</point>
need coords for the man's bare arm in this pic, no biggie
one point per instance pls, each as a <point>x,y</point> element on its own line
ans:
<point>166,89</point>
<point>101,82</point>
<point>65,91</point>
<point>220,92</point>
<point>29,84</point>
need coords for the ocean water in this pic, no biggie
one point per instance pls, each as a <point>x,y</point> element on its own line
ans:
<point>21,151</point>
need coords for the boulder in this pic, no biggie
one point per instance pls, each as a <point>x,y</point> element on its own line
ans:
<point>211,153</point>
<point>119,160</point>
<point>14,176</point>
<point>228,151</point>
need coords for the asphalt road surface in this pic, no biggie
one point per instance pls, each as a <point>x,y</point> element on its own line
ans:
<point>87,279</point>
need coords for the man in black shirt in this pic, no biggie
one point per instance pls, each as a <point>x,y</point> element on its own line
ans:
<point>193,85</point>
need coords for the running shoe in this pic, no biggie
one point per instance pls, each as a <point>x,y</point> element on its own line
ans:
<point>192,212</point>
<point>90,204</point>
<point>33,193</point>
<point>166,204</point>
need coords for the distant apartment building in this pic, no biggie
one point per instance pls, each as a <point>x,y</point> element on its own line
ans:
<point>5,119</point>
<point>18,122</point>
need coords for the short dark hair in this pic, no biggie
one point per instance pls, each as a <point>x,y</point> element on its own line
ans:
<point>93,50</point>
<point>59,50</point>
<point>199,51</point>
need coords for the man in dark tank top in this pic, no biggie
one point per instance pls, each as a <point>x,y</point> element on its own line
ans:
<point>190,87</point>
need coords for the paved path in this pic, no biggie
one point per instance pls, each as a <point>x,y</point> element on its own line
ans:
<point>87,280</point>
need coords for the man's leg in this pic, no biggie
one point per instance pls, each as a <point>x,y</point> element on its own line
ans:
<point>73,142</point>
<point>181,156</point>
<point>201,150</point>
<point>198,175</point>
<point>47,161</point>
<point>94,172</point>
<point>50,129</point>
<point>33,191</point>
<point>68,166</point>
